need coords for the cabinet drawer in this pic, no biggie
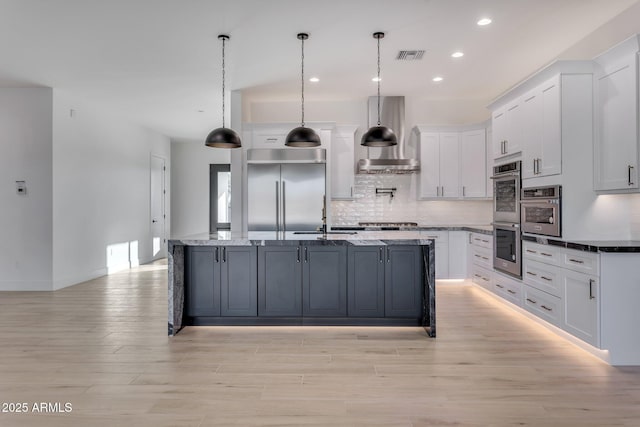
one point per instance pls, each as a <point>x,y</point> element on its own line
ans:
<point>482,240</point>
<point>439,237</point>
<point>482,256</point>
<point>543,305</point>
<point>543,253</point>
<point>545,277</point>
<point>268,140</point>
<point>481,276</point>
<point>508,289</point>
<point>580,261</point>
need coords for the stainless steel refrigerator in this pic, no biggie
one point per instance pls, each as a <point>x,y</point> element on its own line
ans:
<point>285,189</point>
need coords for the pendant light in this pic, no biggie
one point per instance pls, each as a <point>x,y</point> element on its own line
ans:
<point>223,137</point>
<point>302,136</point>
<point>379,136</point>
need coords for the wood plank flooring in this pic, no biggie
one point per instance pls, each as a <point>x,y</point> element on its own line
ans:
<point>102,347</point>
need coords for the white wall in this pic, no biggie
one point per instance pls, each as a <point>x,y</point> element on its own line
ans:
<point>25,221</point>
<point>190,186</point>
<point>101,190</point>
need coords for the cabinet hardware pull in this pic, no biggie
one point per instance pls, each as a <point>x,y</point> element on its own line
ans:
<point>499,286</point>
<point>546,308</point>
<point>381,255</point>
<point>272,139</point>
<point>506,147</point>
<point>485,258</point>
<point>224,254</point>
<point>532,301</point>
<point>577,261</point>
<point>591,295</point>
<point>476,239</point>
<point>217,254</point>
<point>477,275</point>
<point>630,168</point>
<point>477,256</point>
<point>470,242</point>
<point>511,292</point>
<point>535,162</point>
<point>298,254</point>
<point>545,254</point>
<point>545,278</point>
<point>485,279</point>
<point>531,274</point>
<point>485,241</point>
<point>531,252</point>
<point>306,254</point>
<point>463,188</point>
<point>442,191</point>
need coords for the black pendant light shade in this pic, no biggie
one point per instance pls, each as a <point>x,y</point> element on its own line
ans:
<point>379,136</point>
<point>223,137</point>
<point>302,136</point>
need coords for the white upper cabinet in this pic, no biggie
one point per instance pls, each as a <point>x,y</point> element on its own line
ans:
<point>541,130</point>
<point>439,165</point>
<point>507,131</point>
<point>616,113</point>
<point>473,167</point>
<point>342,162</point>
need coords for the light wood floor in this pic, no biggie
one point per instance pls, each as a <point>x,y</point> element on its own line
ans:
<point>102,347</point>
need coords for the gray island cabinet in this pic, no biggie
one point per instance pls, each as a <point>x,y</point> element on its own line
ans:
<point>318,281</point>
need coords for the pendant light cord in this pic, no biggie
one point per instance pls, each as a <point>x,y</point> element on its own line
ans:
<point>302,81</point>
<point>378,81</point>
<point>223,85</point>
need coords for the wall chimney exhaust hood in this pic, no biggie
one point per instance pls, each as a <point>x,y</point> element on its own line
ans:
<point>388,160</point>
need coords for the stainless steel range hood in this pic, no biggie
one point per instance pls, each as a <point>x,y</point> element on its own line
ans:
<point>390,160</point>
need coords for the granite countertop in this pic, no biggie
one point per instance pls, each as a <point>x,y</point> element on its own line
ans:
<point>479,228</point>
<point>619,246</point>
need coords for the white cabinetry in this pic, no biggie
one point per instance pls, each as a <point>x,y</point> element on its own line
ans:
<point>453,163</point>
<point>562,287</point>
<point>616,113</point>
<point>441,239</point>
<point>473,167</point>
<point>481,259</point>
<point>507,132</point>
<point>439,160</point>
<point>458,254</point>
<point>342,162</point>
<point>541,130</point>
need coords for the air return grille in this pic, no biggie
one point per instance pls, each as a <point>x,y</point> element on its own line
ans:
<point>410,55</point>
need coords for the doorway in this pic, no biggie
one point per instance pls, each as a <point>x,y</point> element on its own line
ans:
<point>219,197</point>
<point>158,214</point>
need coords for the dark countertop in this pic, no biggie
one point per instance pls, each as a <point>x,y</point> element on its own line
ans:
<point>482,228</point>
<point>616,246</point>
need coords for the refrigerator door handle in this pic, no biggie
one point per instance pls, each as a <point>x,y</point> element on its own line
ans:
<point>284,211</point>
<point>277,207</point>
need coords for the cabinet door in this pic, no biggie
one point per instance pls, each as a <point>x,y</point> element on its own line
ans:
<point>581,306</point>
<point>430,165</point>
<point>365,283</point>
<point>473,167</point>
<point>342,166</point>
<point>238,281</point>
<point>457,254</point>
<point>203,281</point>
<point>279,281</point>
<point>617,127</point>
<point>550,162</point>
<point>441,239</point>
<point>498,131</point>
<point>449,179</point>
<point>531,133</point>
<point>324,281</point>
<point>513,128</point>
<point>403,282</point>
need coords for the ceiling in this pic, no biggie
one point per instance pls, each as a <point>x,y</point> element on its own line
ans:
<point>158,62</point>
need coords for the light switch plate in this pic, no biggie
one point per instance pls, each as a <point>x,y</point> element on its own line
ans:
<point>21,188</point>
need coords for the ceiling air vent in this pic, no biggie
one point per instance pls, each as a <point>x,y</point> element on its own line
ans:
<point>410,55</point>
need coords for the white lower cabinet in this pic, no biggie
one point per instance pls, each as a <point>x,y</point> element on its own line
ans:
<point>441,239</point>
<point>458,254</point>
<point>480,259</point>
<point>581,311</point>
<point>481,276</point>
<point>543,305</point>
<point>508,288</point>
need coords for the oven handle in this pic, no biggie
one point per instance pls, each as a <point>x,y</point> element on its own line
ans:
<point>505,175</point>
<point>505,225</point>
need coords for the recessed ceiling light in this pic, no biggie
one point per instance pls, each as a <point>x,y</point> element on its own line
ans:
<point>484,21</point>
<point>376,79</point>
<point>437,79</point>
<point>314,80</point>
<point>457,55</point>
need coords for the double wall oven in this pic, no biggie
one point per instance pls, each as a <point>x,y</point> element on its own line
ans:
<point>506,219</point>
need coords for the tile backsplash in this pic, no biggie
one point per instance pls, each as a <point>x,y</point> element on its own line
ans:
<point>403,206</point>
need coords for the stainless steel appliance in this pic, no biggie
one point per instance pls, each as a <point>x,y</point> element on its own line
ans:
<point>285,189</point>
<point>540,210</point>
<point>507,243</point>
<point>506,192</point>
<point>388,160</point>
<point>507,247</point>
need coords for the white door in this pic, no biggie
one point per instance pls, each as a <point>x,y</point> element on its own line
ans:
<point>158,238</point>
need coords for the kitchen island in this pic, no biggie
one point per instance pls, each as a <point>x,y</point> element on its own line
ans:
<point>268,278</point>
